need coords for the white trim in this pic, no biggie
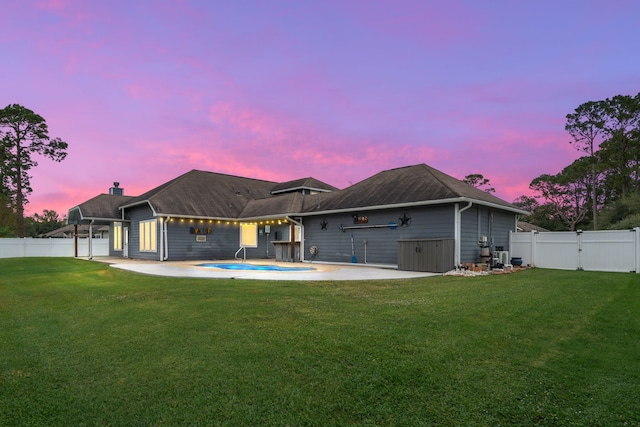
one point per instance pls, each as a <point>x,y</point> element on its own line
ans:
<point>411,204</point>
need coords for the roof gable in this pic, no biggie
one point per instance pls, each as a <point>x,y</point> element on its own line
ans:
<point>311,184</point>
<point>406,185</point>
<point>101,207</point>
<point>282,204</point>
<point>204,194</point>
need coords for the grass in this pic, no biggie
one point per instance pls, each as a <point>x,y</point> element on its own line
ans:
<point>85,344</point>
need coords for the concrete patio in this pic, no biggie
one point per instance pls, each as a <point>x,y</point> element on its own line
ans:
<point>322,271</point>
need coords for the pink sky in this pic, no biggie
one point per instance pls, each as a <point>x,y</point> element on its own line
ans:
<point>144,91</point>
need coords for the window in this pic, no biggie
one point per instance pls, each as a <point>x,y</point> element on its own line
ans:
<point>249,235</point>
<point>148,236</point>
<point>117,236</point>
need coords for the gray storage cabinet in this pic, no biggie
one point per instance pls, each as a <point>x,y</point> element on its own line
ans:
<point>432,255</point>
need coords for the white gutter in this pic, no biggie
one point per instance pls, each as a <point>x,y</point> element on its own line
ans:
<point>288,215</point>
<point>141,202</point>
<point>458,231</point>
<point>412,204</point>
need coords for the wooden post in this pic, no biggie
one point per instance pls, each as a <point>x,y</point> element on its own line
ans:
<point>75,240</point>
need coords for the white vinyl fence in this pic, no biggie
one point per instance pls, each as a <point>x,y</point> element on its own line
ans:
<point>610,250</point>
<point>18,248</point>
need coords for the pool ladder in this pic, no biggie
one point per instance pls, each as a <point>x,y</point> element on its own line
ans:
<point>244,258</point>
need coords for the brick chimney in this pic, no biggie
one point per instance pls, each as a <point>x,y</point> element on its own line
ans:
<point>116,190</point>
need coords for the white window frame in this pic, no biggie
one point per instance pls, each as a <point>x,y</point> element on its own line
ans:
<point>148,235</point>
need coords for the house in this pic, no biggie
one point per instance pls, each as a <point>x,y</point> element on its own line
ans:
<point>380,220</point>
<point>526,227</point>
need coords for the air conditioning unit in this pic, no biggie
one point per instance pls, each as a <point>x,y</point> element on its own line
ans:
<point>502,256</point>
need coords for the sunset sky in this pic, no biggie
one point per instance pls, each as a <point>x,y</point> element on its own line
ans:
<point>144,91</point>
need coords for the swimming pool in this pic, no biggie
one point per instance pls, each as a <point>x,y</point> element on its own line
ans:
<point>253,267</point>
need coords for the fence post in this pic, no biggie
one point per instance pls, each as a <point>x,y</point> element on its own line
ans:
<point>579,243</point>
<point>533,248</point>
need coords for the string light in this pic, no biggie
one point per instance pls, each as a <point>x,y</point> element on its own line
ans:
<point>280,221</point>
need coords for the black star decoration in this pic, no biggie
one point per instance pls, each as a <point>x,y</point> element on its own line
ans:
<point>323,225</point>
<point>405,220</point>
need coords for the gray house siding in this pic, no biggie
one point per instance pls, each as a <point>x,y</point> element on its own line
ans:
<point>334,245</point>
<point>483,221</point>
<point>503,223</point>
<point>137,214</point>
<point>221,240</point>
<point>470,233</point>
<point>217,244</point>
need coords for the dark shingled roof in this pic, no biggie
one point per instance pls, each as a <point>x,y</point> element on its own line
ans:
<point>102,207</point>
<point>411,184</point>
<point>204,194</point>
<point>278,205</point>
<point>527,227</point>
<point>214,195</point>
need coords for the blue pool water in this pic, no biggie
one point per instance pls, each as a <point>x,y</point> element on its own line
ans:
<point>253,267</point>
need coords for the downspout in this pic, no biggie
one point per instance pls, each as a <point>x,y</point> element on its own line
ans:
<point>166,238</point>
<point>491,230</point>
<point>458,231</point>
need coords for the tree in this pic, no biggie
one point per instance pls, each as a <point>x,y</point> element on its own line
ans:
<point>567,192</point>
<point>526,203</point>
<point>620,151</point>
<point>48,221</point>
<point>543,215</point>
<point>479,181</point>
<point>621,213</point>
<point>8,223</point>
<point>586,126</point>
<point>24,133</point>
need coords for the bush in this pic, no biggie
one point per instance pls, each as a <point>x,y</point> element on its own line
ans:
<point>631,221</point>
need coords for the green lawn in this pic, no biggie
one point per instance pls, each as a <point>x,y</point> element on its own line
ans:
<point>84,344</point>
